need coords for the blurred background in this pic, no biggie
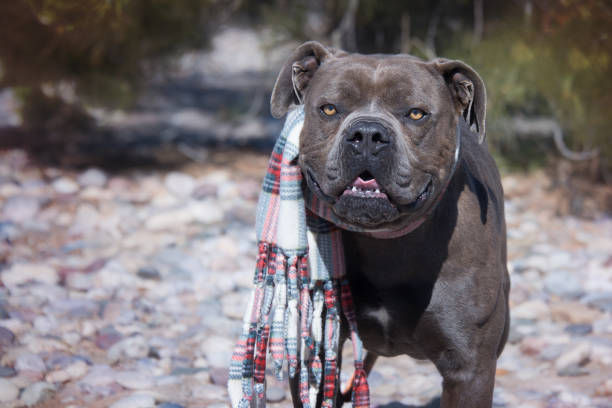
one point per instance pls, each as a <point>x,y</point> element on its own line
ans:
<point>133,140</point>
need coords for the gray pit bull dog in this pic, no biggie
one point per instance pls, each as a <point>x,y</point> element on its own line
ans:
<point>392,143</point>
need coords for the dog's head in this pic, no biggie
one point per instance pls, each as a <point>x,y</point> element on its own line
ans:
<point>380,131</point>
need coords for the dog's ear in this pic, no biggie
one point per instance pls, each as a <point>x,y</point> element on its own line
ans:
<point>468,91</point>
<point>295,76</point>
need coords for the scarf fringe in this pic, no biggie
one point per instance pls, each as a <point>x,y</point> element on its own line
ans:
<point>273,321</point>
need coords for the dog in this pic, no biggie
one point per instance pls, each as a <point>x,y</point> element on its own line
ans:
<point>395,145</point>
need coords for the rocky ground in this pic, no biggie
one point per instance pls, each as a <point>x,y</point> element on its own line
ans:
<point>125,288</point>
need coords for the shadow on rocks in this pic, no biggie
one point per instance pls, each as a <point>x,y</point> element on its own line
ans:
<point>434,403</point>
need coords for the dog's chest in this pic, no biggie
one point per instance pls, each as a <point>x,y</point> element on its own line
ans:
<point>391,291</point>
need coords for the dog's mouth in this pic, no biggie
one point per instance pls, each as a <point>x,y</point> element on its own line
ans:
<point>365,186</point>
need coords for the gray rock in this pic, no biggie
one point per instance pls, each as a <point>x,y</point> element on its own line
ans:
<point>92,178</point>
<point>21,273</point>
<point>99,376</point>
<point>563,283</point>
<point>107,337</point>
<point>6,371</point>
<point>187,370</point>
<point>275,394</point>
<point>134,380</point>
<point>581,329</point>
<point>169,405</point>
<point>576,356</point>
<point>131,347</point>
<point>180,184</point>
<point>219,375</point>
<point>8,391</point>
<point>572,370</point>
<point>37,393</point>
<point>7,338</point>
<point>149,272</point>
<point>20,208</point>
<point>601,301</point>
<point>65,185</point>
<point>30,362</point>
<point>135,401</point>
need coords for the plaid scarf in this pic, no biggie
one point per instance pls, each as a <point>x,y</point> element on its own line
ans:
<point>300,290</point>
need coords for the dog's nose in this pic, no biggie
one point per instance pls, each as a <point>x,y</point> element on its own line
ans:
<point>368,137</point>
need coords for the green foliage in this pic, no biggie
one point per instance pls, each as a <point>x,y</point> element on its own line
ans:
<point>102,45</point>
<point>556,63</point>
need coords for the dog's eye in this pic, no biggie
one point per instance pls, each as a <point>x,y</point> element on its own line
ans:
<point>329,109</point>
<point>416,114</point>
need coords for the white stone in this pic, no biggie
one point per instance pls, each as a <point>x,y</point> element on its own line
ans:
<point>8,391</point>
<point>74,371</point>
<point>134,380</point>
<point>131,347</point>
<point>92,178</point>
<point>135,401</point>
<point>21,273</point>
<point>180,184</point>
<point>37,393</point>
<point>20,208</point>
<point>206,212</point>
<point>578,355</point>
<point>30,362</point>
<point>170,219</point>
<point>532,309</point>
<point>65,185</point>
<point>99,376</point>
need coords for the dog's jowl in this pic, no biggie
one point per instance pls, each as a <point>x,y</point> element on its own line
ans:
<point>395,146</point>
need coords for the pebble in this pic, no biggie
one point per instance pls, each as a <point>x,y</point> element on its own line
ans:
<point>170,219</point>
<point>107,337</point>
<point>30,362</point>
<point>7,338</point>
<point>531,310</point>
<point>581,329</point>
<point>8,391</point>
<point>20,209</point>
<point>180,184</point>
<point>21,273</point>
<point>169,405</point>
<point>6,371</point>
<point>65,185</point>
<point>234,304</point>
<point>131,347</point>
<point>563,283</point>
<point>148,272</point>
<point>275,394</point>
<point>601,301</point>
<point>135,401</point>
<point>573,312</point>
<point>74,371</point>
<point>218,375</point>
<point>604,389</point>
<point>37,393</point>
<point>98,376</point>
<point>577,356</point>
<point>134,380</point>
<point>92,178</point>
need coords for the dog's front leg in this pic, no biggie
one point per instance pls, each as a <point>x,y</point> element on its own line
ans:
<point>472,388</point>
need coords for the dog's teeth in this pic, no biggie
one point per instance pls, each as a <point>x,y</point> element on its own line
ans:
<point>377,191</point>
<point>354,189</point>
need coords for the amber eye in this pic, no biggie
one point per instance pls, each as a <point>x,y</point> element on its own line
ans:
<point>329,109</point>
<point>416,114</point>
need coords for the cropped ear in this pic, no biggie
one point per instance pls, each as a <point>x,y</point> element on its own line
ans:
<point>295,75</point>
<point>468,91</point>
